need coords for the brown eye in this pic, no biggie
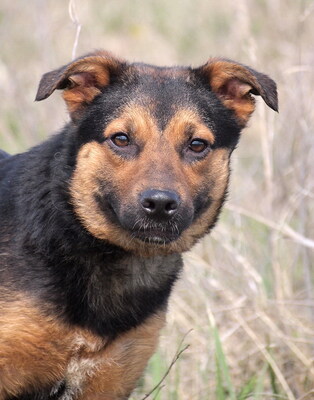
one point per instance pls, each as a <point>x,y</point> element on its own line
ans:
<point>198,145</point>
<point>120,139</point>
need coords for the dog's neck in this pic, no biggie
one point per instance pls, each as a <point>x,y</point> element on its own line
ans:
<point>112,296</point>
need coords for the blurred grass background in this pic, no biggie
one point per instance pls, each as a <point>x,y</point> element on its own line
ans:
<point>247,290</point>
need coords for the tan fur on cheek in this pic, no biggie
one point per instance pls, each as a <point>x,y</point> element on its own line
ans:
<point>92,164</point>
<point>217,173</point>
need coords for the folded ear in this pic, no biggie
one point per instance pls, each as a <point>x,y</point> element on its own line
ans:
<point>234,83</point>
<point>82,80</point>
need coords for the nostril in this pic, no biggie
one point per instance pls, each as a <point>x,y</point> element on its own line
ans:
<point>171,206</point>
<point>148,204</point>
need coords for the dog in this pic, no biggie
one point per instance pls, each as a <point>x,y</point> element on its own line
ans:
<point>95,219</point>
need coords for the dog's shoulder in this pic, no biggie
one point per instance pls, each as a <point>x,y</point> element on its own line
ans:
<point>3,154</point>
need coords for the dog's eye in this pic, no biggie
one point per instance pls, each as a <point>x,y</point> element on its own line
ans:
<point>198,145</point>
<point>120,139</point>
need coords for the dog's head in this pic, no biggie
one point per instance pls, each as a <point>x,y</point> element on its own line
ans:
<point>153,145</point>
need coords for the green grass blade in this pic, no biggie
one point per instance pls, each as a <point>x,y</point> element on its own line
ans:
<point>157,369</point>
<point>224,386</point>
<point>260,382</point>
<point>248,388</point>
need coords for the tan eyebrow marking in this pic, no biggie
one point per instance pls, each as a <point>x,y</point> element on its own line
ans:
<point>184,122</point>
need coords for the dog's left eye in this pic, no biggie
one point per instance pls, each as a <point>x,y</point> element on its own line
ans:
<point>120,139</point>
<point>198,145</point>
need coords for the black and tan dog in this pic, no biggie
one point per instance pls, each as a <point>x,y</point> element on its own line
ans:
<point>93,221</point>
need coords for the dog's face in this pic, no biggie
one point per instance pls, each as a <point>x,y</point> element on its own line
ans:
<point>153,145</point>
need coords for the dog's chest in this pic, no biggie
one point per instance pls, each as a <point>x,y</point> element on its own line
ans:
<point>86,357</point>
<point>99,366</point>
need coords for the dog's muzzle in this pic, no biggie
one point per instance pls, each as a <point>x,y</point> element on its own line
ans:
<point>158,217</point>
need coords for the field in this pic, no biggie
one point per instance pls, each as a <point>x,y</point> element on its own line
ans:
<point>241,320</point>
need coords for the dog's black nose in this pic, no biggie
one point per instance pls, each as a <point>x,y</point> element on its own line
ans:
<point>160,203</point>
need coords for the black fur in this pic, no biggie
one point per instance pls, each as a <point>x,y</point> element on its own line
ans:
<point>45,394</point>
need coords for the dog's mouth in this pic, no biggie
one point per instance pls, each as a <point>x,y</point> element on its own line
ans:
<point>153,232</point>
<point>155,236</point>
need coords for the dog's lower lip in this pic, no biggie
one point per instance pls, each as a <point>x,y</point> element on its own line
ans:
<point>154,236</point>
<point>155,240</point>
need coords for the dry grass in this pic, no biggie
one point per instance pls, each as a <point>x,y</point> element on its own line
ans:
<point>252,279</point>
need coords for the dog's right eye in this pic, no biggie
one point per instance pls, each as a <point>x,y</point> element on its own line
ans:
<point>198,145</point>
<point>120,139</point>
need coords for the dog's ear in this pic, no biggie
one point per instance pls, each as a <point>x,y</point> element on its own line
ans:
<point>234,83</point>
<point>81,80</point>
